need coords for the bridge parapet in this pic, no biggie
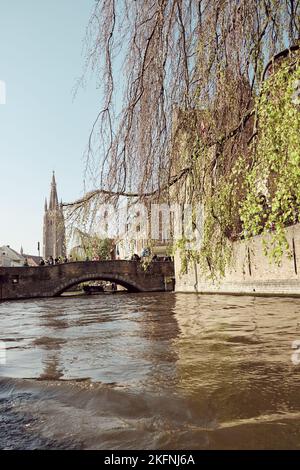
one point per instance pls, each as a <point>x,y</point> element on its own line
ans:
<point>51,281</point>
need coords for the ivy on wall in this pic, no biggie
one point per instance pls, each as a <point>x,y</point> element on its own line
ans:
<point>272,199</point>
<point>259,193</point>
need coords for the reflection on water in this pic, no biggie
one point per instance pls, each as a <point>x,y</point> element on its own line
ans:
<point>150,371</point>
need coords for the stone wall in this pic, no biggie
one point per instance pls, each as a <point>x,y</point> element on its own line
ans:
<point>50,281</point>
<point>250,271</point>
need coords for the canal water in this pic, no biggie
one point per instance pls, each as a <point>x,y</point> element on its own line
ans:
<point>150,371</point>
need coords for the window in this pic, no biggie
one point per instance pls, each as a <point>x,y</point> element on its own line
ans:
<point>15,279</point>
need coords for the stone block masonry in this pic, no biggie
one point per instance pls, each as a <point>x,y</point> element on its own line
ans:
<point>51,281</point>
<point>250,271</point>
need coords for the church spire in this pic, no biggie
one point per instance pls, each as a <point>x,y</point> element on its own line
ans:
<point>54,238</point>
<point>53,203</point>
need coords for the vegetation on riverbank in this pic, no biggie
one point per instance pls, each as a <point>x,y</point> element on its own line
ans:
<point>202,119</point>
<point>256,191</point>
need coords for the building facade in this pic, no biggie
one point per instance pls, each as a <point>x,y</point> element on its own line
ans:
<point>10,258</point>
<point>148,231</point>
<point>54,238</point>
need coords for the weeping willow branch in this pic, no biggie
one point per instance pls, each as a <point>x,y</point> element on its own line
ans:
<point>154,58</point>
<point>173,180</point>
<point>88,197</point>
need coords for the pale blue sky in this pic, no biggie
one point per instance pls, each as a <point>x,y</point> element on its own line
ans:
<point>41,127</point>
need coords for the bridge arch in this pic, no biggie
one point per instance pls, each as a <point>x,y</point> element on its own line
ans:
<point>130,285</point>
<point>50,281</point>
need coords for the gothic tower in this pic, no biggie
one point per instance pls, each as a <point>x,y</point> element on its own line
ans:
<point>54,226</point>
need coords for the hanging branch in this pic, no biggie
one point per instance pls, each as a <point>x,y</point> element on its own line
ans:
<point>156,58</point>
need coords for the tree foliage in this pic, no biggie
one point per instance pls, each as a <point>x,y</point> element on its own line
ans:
<point>154,57</point>
<point>181,82</point>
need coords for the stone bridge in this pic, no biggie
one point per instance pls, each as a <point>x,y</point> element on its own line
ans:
<point>51,281</point>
